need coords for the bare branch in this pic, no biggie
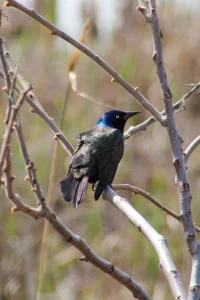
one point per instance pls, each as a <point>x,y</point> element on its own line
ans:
<point>34,212</point>
<point>9,128</point>
<point>55,31</point>
<point>181,102</point>
<point>4,66</point>
<point>39,110</point>
<point>136,190</point>
<point>191,148</point>
<point>68,235</point>
<point>157,241</point>
<point>178,159</point>
<point>93,258</point>
<point>179,105</point>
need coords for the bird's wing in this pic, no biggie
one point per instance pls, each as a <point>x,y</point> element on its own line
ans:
<point>110,157</point>
<point>80,154</point>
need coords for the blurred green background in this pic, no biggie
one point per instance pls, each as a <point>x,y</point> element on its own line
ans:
<point>126,45</point>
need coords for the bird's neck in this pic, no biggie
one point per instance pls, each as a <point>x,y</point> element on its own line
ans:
<point>103,124</point>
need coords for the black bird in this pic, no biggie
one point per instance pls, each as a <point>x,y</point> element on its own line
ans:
<point>96,157</point>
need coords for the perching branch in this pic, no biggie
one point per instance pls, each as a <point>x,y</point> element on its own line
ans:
<point>157,241</point>
<point>68,235</point>
<point>138,191</point>
<point>55,31</point>
<point>176,146</point>
<point>43,211</point>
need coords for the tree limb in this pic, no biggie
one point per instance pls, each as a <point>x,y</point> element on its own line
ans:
<point>9,128</point>
<point>38,109</point>
<point>157,241</point>
<point>176,146</point>
<point>136,190</point>
<point>15,198</point>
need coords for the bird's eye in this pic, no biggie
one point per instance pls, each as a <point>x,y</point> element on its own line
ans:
<point>117,116</point>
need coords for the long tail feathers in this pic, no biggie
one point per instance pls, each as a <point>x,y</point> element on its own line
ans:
<point>74,189</point>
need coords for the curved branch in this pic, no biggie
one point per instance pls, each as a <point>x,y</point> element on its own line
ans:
<point>19,205</point>
<point>119,79</point>
<point>191,148</point>
<point>136,190</point>
<point>157,241</point>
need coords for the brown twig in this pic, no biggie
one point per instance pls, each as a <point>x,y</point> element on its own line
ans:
<point>9,128</point>
<point>136,190</point>
<point>34,212</point>
<point>39,110</point>
<point>4,66</point>
<point>55,31</point>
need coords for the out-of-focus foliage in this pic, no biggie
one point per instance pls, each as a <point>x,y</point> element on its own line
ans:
<point>147,162</point>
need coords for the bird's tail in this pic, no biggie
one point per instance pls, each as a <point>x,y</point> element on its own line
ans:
<point>74,189</point>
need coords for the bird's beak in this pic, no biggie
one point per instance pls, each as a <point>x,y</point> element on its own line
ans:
<point>130,114</point>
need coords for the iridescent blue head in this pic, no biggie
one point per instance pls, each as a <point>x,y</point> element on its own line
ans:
<point>115,119</point>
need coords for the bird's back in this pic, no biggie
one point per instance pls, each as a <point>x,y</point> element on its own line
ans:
<point>97,156</point>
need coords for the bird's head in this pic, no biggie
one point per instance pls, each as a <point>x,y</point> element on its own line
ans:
<point>115,119</point>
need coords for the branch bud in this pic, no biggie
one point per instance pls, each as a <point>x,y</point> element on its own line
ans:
<point>140,8</point>
<point>32,110</point>
<point>14,209</point>
<point>6,4</point>
<point>5,89</point>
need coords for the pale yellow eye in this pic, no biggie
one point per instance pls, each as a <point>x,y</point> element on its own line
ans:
<point>117,116</point>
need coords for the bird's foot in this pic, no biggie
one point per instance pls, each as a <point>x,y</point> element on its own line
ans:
<point>93,187</point>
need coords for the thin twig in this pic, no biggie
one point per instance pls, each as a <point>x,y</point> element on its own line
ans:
<point>7,81</point>
<point>179,105</point>
<point>4,66</point>
<point>34,212</point>
<point>136,190</point>
<point>55,31</point>
<point>9,128</point>
<point>157,241</point>
<point>39,110</point>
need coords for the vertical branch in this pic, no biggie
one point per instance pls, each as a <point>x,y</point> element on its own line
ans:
<point>176,147</point>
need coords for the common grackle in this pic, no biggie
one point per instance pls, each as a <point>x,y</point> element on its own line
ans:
<point>96,157</point>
